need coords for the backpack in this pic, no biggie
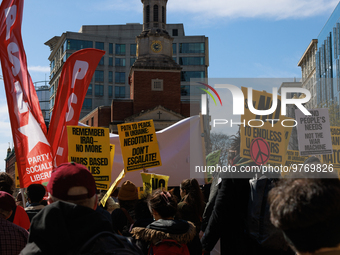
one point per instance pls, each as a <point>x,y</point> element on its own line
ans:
<point>107,242</point>
<point>260,229</point>
<point>168,247</point>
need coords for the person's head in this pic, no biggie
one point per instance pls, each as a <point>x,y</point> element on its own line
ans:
<point>7,204</point>
<point>35,193</point>
<point>72,182</point>
<point>190,189</point>
<point>111,205</point>
<point>6,183</point>
<point>308,212</point>
<point>162,204</point>
<point>127,192</point>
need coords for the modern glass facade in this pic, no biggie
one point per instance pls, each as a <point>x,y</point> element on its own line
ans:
<point>327,60</point>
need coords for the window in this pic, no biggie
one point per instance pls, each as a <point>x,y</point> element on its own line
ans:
<point>110,76</point>
<point>99,90</point>
<point>99,76</point>
<point>52,65</point>
<point>186,75</point>
<point>110,91</point>
<point>101,62</point>
<point>191,48</point>
<point>110,61</point>
<point>175,59</point>
<point>157,85</point>
<point>155,13</point>
<point>174,48</point>
<point>132,60</point>
<point>66,57</point>
<point>174,32</point>
<point>110,48</point>
<point>119,92</point>
<point>192,61</point>
<point>120,61</point>
<point>87,104</point>
<point>72,44</point>
<point>92,121</point>
<point>100,45</point>
<point>120,77</point>
<point>120,49</point>
<point>89,90</point>
<point>147,16</point>
<point>163,14</point>
<point>133,49</point>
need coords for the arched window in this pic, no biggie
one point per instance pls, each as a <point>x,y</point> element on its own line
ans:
<point>155,13</point>
<point>147,16</point>
<point>163,14</point>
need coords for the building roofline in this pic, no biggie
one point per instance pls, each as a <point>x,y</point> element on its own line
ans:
<point>308,48</point>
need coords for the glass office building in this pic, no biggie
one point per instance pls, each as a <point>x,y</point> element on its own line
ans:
<point>327,60</point>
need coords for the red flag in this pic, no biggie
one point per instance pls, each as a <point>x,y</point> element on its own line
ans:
<point>32,150</point>
<point>74,81</point>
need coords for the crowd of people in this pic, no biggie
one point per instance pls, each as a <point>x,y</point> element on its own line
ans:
<point>66,217</point>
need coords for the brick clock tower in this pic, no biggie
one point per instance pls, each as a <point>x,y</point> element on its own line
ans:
<point>155,78</point>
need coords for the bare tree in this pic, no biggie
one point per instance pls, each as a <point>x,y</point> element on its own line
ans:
<point>220,141</point>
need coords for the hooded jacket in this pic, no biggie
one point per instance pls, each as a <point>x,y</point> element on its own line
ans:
<point>64,228</point>
<point>179,230</point>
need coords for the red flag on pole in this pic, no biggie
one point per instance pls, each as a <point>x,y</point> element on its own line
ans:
<point>74,80</point>
<point>32,150</point>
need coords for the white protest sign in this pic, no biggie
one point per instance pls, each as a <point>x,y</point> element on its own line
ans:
<point>313,132</point>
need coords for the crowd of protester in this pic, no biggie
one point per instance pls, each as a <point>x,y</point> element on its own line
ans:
<point>304,211</point>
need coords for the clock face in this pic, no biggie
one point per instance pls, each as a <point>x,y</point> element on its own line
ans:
<point>156,46</point>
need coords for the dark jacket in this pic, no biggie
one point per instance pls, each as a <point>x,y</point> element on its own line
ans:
<point>227,221</point>
<point>63,228</point>
<point>179,230</point>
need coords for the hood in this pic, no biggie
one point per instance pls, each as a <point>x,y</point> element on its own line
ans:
<point>64,226</point>
<point>178,230</point>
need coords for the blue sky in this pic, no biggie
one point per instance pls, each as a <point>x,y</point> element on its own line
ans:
<point>247,38</point>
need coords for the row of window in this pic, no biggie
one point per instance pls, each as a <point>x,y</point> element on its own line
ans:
<point>120,76</point>
<point>99,91</point>
<point>120,49</point>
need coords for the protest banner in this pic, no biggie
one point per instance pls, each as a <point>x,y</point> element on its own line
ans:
<point>181,151</point>
<point>112,154</point>
<point>138,142</point>
<point>268,127</point>
<point>313,132</point>
<point>334,158</point>
<point>112,187</point>
<point>154,181</point>
<point>91,147</point>
<point>212,159</point>
<point>32,150</point>
<point>293,157</point>
<point>74,80</point>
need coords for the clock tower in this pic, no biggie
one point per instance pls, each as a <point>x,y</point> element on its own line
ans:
<point>155,78</point>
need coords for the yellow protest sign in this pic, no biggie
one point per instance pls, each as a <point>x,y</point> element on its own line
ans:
<point>271,135</point>
<point>91,147</point>
<point>138,142</point>
<point>17,181</point>
<point>334,158</point>
<point>112,187</point>
<point>112,153</point>
<point>293,158</point>
<point>154,181</point>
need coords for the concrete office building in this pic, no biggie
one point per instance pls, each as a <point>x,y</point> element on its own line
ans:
<point>111,78</point>
<point>327,61</point>
<point>308,70</point>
